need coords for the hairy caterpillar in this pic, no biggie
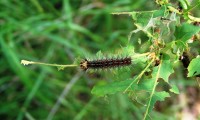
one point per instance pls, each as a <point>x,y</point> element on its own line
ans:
<point>105,63</point>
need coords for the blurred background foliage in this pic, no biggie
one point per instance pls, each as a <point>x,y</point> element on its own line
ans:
<point>61,31</point>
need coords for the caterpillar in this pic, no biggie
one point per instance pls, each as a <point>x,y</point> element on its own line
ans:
<point>105,63</point>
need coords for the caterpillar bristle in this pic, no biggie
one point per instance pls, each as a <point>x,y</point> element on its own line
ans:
<point>105,63</point>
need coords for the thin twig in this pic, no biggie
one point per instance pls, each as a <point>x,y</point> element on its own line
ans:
<point>26,62</point>
<point>140,55</point>
<point>121,13</point>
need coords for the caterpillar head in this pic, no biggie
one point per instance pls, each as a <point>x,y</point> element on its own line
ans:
<point>84,64</point>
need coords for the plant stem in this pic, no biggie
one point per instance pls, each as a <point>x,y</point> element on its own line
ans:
<point>154,87</point>
<point>26,62</point>
<point>140,55</point>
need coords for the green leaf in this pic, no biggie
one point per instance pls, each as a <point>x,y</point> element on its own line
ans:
<point>166,68</point>
<point>186,31</point>
<point>178,46</point>
<point>158,96</point>
<point>142,18</point>
<point>120,86</point>
<point>194,67</point>
<point>112,88</point>
<point>174,89</point>
<point>159,13</point>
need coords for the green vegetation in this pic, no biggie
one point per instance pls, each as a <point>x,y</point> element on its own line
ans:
<point>161,37</point>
